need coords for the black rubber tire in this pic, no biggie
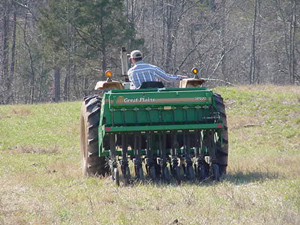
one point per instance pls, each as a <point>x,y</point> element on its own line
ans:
<point>222,148</point>
<point>92,164</point>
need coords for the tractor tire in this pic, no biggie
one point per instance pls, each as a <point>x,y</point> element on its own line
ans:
<point>222,146</point>
<point>92,164</point>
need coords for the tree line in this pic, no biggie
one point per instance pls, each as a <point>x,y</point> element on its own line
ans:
<point>57,50</point>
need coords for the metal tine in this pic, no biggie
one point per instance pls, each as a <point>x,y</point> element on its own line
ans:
<point>113,160</point>
<point>163,162</point>
<point>203,167</point>
<point>140,165</point>
<point>212,151</point>
<point>124,162</point>
<point>197,151</point>
<point>173,150</point>
<point>185,153</point>
<point>174,163</point>
<point>148,152</point>
<point>160,160</point>
<point>197,143</point>
<point>189,164</point>
<point>150,165</point>
<point>138,161</point>
<point>163,150</point>
<point>214,166</point>
<point>135,160</point>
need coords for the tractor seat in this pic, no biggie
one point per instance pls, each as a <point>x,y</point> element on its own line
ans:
<point>151,84</point>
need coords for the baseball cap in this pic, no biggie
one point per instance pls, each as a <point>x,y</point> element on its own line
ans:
<point>136,54</point>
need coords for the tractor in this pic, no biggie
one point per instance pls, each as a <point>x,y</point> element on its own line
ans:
<point>154,132</point>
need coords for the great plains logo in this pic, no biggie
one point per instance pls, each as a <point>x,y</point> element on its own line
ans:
<point>129,100</point>
<point>122,100</point>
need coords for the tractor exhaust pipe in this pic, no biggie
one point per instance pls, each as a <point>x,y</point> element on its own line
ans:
<point>124,63</point>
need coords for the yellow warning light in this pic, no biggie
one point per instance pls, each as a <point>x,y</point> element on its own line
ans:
<point>108,73</point>
<point>195,70</point>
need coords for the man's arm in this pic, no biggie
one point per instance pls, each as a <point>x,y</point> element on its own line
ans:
<point>164,76</point>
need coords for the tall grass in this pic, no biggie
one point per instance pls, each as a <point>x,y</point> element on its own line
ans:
<point>41,181</point>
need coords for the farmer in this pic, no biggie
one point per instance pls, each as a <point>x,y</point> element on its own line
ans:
<point>143,72</point>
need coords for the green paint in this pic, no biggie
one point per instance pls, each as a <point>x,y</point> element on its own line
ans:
<point>151,110</point>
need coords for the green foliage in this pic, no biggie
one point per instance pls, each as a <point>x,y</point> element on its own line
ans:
<point>81,36</point>
<point>100,24</point>
<point>55,19</point>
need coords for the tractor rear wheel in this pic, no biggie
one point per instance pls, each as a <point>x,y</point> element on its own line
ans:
<point>91,163</point>
<point>222,142</point>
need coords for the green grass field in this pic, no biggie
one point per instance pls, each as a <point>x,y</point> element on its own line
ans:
<point>41,181</point>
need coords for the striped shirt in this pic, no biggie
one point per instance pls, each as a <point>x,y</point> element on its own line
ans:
<point>142,72</point>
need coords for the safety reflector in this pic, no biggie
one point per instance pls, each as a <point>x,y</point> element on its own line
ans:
<point>220,125</point>
<point>107,128</point>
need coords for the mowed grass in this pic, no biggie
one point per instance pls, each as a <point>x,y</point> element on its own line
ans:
<point>41,181</point>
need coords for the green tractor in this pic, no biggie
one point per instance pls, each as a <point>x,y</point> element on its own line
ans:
<point>168,133</point>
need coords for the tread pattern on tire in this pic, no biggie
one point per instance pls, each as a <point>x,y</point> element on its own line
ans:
<point>222,150</point>
<point>90,115</point>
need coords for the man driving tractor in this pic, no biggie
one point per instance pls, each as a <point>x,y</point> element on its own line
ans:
<point>143,72</point>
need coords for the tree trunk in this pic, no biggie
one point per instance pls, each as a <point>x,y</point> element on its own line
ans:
<point>104,65</point>
<point>5,63</point>
<point>66,85</point>
<point>223,40</point>
<point>253,62</point>
<point>258,45</point>
<point>32,72</point>
<point>153,54</point>
<point>163,32</point>
<point>56,84</point>
<point>12,65</point>
<point>169,37</point>
<point>292,60</point>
